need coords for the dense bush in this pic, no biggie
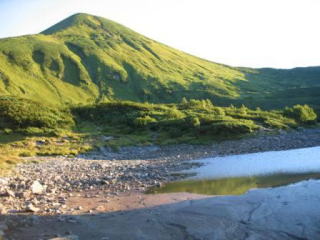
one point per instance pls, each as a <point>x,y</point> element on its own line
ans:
<point>174,113</point>
<point>17,113</point>
<point>232,127</point>
<point>301,113</point>
<point>193,118</point>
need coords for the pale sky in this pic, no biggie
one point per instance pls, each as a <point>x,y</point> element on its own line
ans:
<point>252,33</point>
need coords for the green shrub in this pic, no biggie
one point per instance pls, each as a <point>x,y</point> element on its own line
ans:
<point>184,102</point>
<point>195,122</point>
<point>232,127</point>
<point>274,123</point>
<point>177,121</point>
<point>175,114</point>
<point>197,104</point>
<point>301,113</point>
<point>7,131</point>
<point>218,111</point>
<point>23,113</point>
<point>144,121</point>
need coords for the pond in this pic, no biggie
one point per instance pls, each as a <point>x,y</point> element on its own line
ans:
<point>236,174</point>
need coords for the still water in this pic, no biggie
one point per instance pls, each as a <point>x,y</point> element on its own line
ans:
<point>237,174</point>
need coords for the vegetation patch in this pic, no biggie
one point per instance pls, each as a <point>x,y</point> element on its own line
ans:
<point>192,121</point>
<point>29,128</point>
<point>20,113</point>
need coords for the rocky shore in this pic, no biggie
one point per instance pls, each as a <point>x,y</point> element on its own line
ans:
<point>45,187</point>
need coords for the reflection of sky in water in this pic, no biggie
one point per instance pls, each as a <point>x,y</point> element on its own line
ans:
<point>288,161</point>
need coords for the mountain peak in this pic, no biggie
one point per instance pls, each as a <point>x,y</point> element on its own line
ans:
<point>66,23</point>
<point>80,19</point>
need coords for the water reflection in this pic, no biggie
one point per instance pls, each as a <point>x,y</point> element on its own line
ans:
<point>233,186</point>
<point>290,161</point>
<point>238,173</point>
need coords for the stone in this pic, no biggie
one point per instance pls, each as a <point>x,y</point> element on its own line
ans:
<point>31,208</point>
<point>3,181</point>
<point>37,187</point>
<point>23,195</point>
<point>10,193</point>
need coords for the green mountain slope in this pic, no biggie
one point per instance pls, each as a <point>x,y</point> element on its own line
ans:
<point>85,58</point>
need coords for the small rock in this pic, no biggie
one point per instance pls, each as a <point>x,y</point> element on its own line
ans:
<point>31,208</point>
<point>10,193</point>
<point>3,181</point>
<point>23,195</point>
<point>37,188</point>
<point>105,182</point>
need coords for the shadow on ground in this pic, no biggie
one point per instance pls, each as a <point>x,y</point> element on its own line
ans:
<point>289,212</point>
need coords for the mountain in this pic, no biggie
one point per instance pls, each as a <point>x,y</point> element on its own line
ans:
<point>85,58</point>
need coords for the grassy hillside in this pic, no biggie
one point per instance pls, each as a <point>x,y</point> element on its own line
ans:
<point>275,88</point>
<point>86,59</point>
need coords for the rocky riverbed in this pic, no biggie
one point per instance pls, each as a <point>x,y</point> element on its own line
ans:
<point>62,185</point>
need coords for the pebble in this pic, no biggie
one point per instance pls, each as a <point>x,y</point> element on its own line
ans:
<point>31,208</point>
